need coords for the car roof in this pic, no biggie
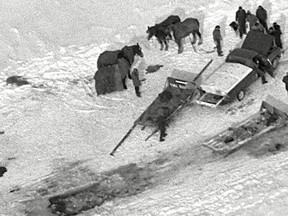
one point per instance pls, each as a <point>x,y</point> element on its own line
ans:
<point>242,56</point>
<point>258,42</point>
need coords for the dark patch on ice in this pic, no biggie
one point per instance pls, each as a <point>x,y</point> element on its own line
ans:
<point>2,171</point>
<point>73,188</point>
<point>77,190</point>
<point>228,139</point>
<point>124,181</point>
<point>269,143</point>
<point>17,80</point>
<point>153,68</point>
<point>160,161</point>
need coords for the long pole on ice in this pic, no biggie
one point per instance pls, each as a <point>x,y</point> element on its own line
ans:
<point>122,140</point>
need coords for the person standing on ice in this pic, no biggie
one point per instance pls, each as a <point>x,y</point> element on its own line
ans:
<point>285,80</point>
<point>276,32</point>
<point>217,39</point>
<point>140,64</point>
<point>241,19</point>
<point>162,127</point>
<point>163,113</point>
<point>260,70</point>
<point>136,81</point>
<point>261,14</point>
<point>137,73</point>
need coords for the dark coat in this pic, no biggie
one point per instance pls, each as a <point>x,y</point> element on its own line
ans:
<point>234,25</point>
<point>217,35</point>
<point>285,80</point>
<point>276,32</point>
<point>135,78</point>
<point>162,113</point>
<point>165,96</point>
<point>241,17</point>
<point>261,14</point>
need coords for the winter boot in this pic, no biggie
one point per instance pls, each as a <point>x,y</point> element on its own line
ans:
<point>137,91</point>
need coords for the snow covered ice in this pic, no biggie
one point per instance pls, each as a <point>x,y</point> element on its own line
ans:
<point>54,125</point>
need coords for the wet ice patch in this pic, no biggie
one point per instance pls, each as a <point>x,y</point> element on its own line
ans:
<point>2,171</point>
<point>17,80</point>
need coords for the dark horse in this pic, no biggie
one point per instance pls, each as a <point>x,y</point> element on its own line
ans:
<point>111,57</point>
<point>160,31</point>
<point>183,29</point>
<point>112,78</point>
<point>124,58</point>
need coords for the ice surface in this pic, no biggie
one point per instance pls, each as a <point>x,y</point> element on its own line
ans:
<point>55,44</point>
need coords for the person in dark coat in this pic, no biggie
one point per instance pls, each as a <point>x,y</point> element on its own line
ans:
<point>161,121</point>
<point>241,19</point>
<point>261,68</point>
<point>261,14</point>
<point>262,75</point>
<point>217,39</point>
<point>136,81</point>
<point>285,80</point>
<point>234,26</point>
<point>163,112</point>
<point>165,96</point>
<point>276,32</point>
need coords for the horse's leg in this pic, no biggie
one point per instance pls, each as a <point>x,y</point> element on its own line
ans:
<point>200,37</point>
<point>161,43</point>
<point>194,38</point>
<point>179,42</point>
<point>124,82</point>
<point>192,43</point>
<point>166,44</point>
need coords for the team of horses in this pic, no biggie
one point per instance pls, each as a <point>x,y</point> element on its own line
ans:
<point>172,28</point>
<point>160,31</point>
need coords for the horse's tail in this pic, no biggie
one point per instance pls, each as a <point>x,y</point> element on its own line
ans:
<point>198,31</point>
<point>198,22</point>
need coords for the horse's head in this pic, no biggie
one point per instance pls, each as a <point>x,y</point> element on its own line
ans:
<point>137,50</point>
<point>151,32</point>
